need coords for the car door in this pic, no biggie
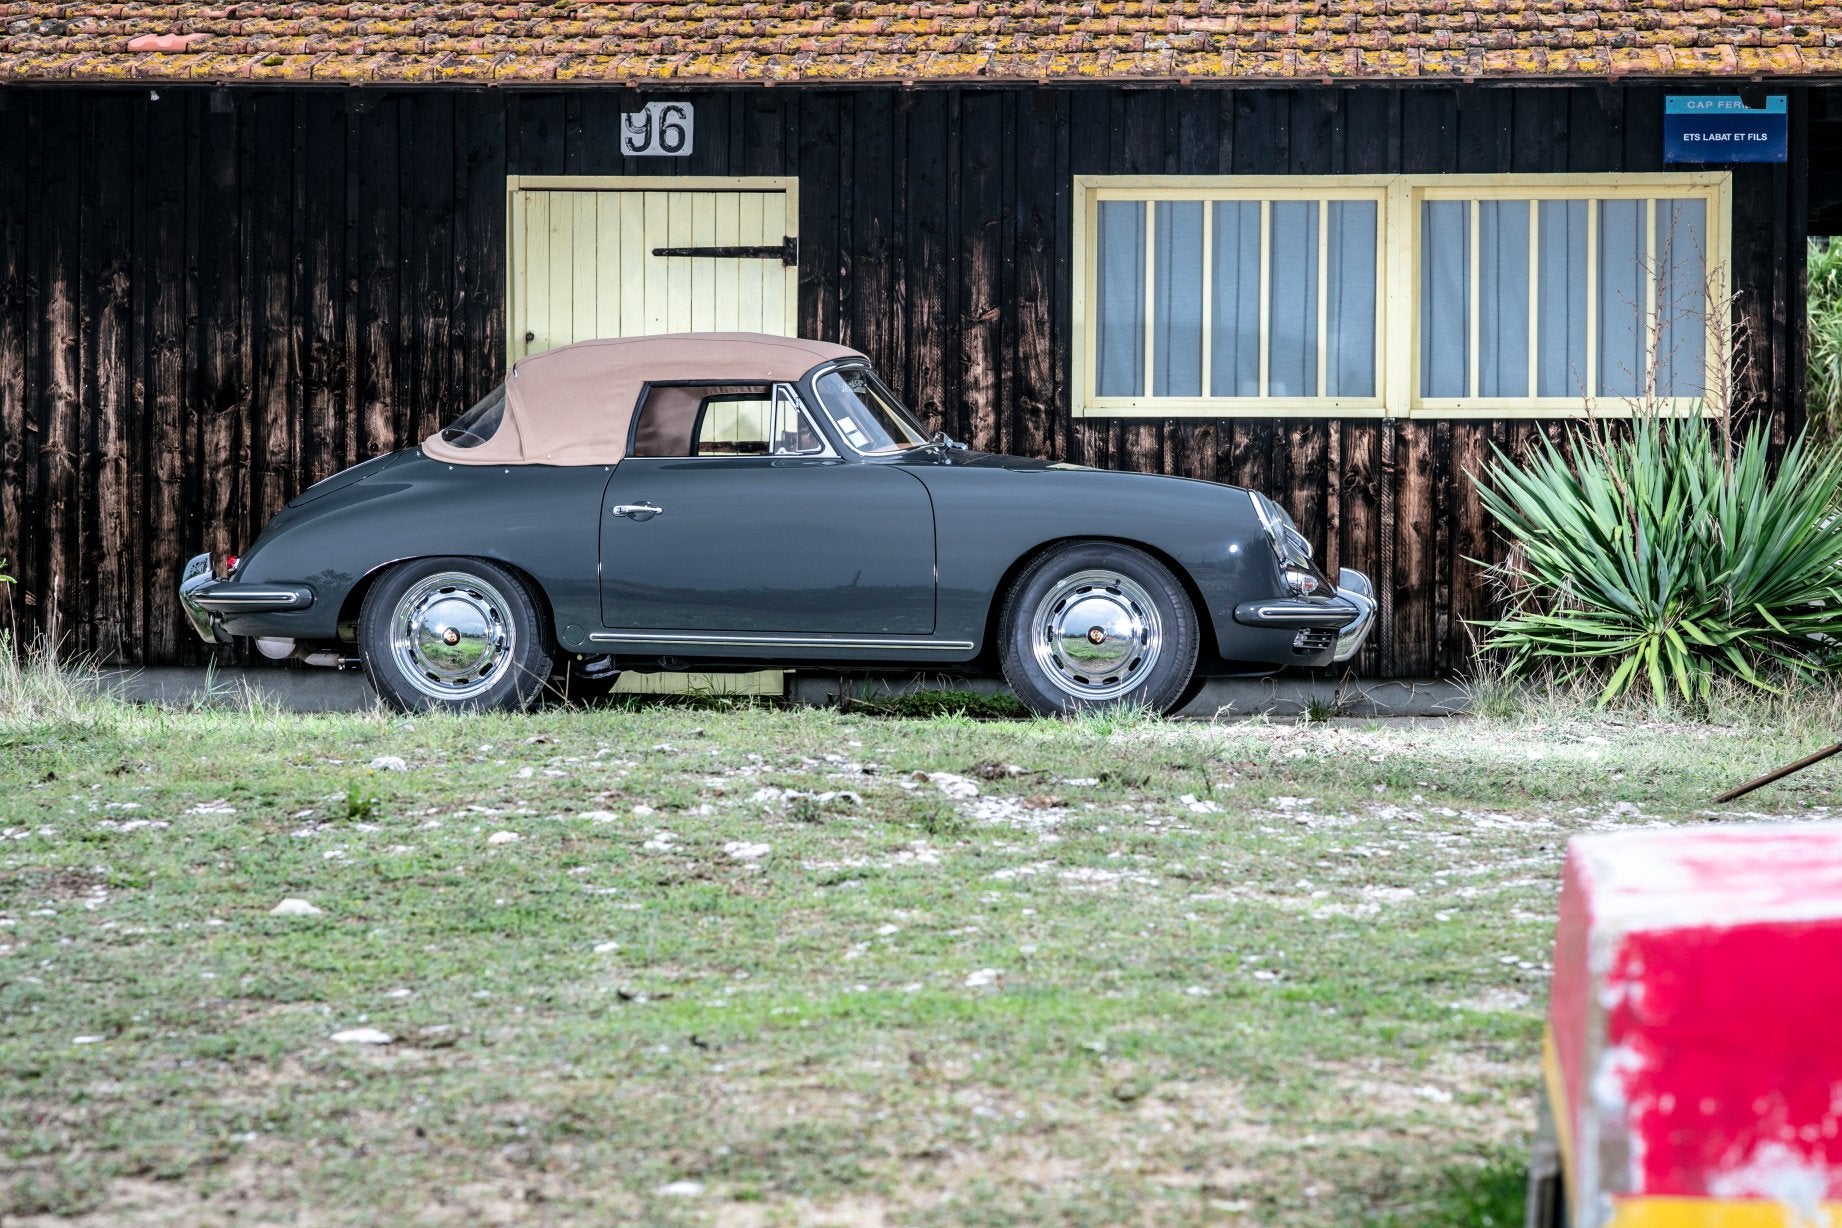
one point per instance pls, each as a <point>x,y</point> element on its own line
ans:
<point>732,514</point>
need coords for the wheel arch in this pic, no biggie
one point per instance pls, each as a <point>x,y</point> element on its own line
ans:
<point>354,600</point>
<point>1206,644</point>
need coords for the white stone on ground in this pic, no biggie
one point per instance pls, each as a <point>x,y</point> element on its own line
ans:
<point>292,907</point>
<point>504,837</point>
<point>982,978</point>
<point>956,787</point>
<point>362,1036</point>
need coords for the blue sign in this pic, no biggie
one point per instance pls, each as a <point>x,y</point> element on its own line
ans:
<point>1722,128</point>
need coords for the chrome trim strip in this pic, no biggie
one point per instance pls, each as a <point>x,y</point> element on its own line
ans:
<point>1324,617</point>
<point>253,596</point>
<point>774,641</point>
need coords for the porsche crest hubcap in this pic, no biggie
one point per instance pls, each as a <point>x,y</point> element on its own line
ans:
<point>1096,635</point>
<point>451,636</point>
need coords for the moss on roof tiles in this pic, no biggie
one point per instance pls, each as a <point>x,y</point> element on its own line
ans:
<point>870,40</point>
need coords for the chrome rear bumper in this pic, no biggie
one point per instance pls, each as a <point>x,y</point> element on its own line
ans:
<point>208,600</point>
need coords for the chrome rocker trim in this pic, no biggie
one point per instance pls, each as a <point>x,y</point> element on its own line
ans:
<point>776,641</point>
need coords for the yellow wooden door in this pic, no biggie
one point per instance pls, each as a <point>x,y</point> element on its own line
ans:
<point>584,264</point>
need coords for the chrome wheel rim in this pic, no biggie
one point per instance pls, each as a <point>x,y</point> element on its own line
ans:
<point>1096,635</point>
<point>451,636</point>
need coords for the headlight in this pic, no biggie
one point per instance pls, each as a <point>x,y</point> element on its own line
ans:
<point>1289,545</point>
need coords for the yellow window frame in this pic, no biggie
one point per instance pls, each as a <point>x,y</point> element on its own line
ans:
<point>1397,354</point>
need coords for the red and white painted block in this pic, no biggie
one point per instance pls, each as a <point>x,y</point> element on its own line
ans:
<point>1694,1049</point>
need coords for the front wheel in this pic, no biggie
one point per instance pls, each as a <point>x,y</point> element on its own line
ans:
<point>453,634</point>
<point>1092,625</point>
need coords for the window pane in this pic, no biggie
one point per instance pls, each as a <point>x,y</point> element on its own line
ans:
<point>1292,328</point>
<point>1560,326</point>
<point>866,413</point>
<point>1176,326</point>
<point>1682,293</point>
<point>1234,359</point>
<point>1503,298</point>
<point>793,433</point>
<point>1621,297</point>
<point>702,420</point>
<point>1351,291</point>
<point>1120,363</point>
<point>1445,296</point>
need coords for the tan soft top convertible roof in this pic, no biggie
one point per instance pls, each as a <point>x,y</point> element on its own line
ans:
<point>574,405</point>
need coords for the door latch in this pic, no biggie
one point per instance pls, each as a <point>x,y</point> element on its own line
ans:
<point>638,511</point>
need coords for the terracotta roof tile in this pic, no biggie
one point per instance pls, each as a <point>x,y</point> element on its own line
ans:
<point>720,41</point>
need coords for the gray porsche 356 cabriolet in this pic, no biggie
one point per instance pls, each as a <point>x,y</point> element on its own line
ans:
<point>735,501</point>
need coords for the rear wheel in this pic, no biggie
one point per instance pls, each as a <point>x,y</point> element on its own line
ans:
<point>1093,625</point>
<point>453,634</point>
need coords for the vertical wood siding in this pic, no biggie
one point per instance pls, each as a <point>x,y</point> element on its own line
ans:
<point>204,311</point>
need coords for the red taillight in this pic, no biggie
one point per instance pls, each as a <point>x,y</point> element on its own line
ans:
<point>230,565</point>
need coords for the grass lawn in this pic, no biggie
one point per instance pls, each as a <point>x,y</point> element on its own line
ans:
<point>757,966</point>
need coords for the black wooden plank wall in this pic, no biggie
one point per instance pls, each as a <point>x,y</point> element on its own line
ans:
<point>206,304</point>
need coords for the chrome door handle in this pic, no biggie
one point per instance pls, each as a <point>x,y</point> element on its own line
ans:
<point>638,511</point>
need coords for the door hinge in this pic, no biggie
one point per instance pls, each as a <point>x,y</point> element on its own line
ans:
<point>786,251</point>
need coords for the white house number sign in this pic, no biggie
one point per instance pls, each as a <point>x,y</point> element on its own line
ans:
<point>658,129</point>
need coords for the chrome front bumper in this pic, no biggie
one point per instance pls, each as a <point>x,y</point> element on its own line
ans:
<point>207,599</point>
<point>1350,613</point>
<point>1354,587</point>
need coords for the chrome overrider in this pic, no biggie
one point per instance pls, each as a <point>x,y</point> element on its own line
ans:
<point>208,599</point>
<point>1350,611</point>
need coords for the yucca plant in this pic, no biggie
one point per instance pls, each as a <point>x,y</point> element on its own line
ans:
<point>1825,319</point>
<point>1660,555</point>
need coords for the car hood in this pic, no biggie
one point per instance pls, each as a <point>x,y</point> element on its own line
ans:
<point>967,458</point>
<point>958,458</point>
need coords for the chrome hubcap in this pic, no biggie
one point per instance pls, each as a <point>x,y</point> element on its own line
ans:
<point>451,636</point>
<point>1097,635</point>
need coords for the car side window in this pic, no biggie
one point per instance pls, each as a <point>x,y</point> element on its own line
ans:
<point>724,420</point>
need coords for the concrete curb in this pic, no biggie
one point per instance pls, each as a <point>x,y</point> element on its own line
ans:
<point>292,690</point>
<point>1221,698</point>
<point>326,690</point>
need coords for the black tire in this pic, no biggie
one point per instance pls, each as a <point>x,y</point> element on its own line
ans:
<point>1145,655</point>
<point>499,654</point>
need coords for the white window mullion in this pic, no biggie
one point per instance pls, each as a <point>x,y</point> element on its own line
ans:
<point>1323,381</point>
<point>1474,301</point>
<point>1266,284</point>
<point>1534,292</point>
<point>1151,280</point>
<point>1653,332</point>
<point>1208,295</point>
<point>1592,298</point>
<point>1401,282</point>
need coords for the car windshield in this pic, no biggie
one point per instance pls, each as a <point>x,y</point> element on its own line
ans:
<point>869,418</point>
<point>478,424</point>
